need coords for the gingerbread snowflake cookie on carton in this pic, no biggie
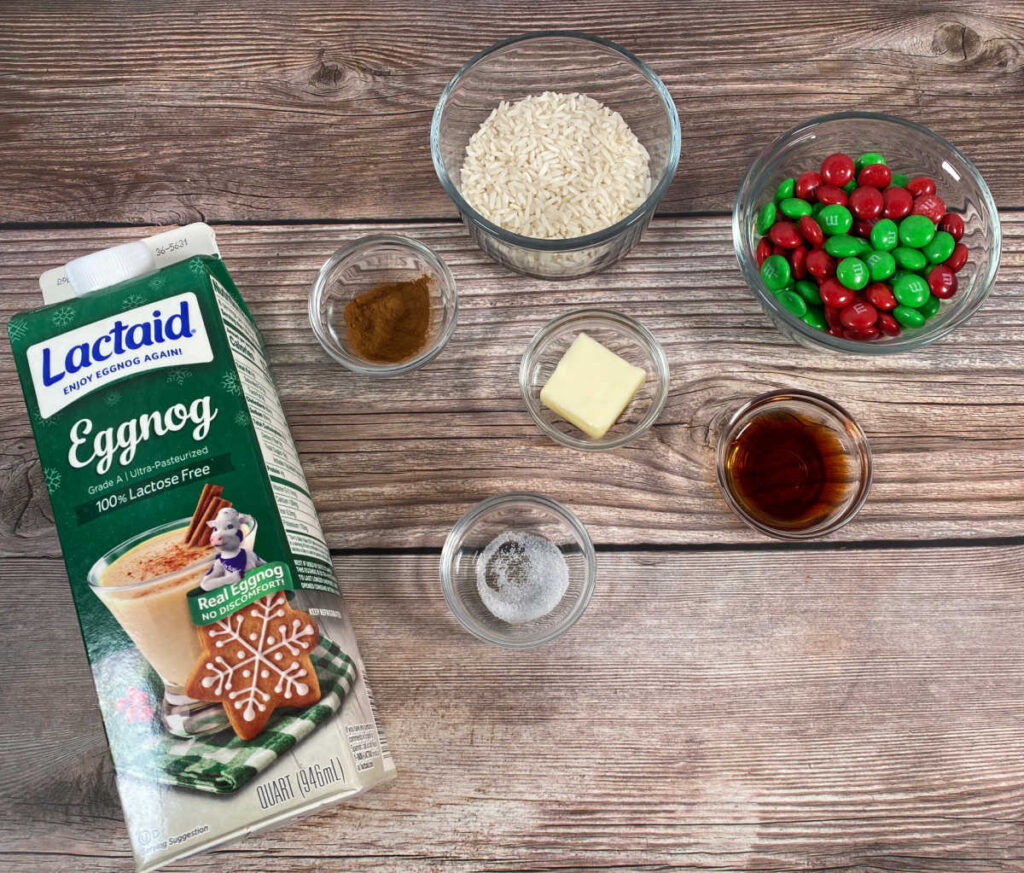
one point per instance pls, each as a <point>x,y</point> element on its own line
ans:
<point>256,660</point>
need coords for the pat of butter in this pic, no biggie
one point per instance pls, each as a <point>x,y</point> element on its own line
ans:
<point>591,386</point>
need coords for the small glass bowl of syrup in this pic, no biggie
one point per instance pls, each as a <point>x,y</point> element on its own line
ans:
<point>793,465</point>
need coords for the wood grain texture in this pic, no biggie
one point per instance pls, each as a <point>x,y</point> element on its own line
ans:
<point>393,463</point>
<point>310,109</point>
<point>848,711</point>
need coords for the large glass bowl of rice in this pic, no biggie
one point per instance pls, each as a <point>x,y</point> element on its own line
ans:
<point>556,148</point>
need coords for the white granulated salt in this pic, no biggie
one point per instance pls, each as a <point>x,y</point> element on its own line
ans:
<point>521,576</point>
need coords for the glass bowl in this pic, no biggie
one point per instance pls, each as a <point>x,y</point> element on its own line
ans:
<point>622,335</point>
<point>908,148</point>
<point>853,485</point>
<point>364,264</point>
<point>526,513</point>
<point>567,62</point>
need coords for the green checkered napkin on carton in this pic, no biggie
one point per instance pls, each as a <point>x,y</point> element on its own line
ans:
<point>222,763</point>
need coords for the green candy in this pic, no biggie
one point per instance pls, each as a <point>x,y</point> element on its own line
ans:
<point>881,265</point>
<point>909,259</point>
<point>809,291</point>
<point>765,218</point>
<point>895,277</point>
<point>850,186</point>
<point>776,273</point>
<point>852,273</point>
<point>910,290</point>
<point>793,302</point>
<point>866,160</point>
<point>930,306</point>
<point>835,219</point>
<point>816,209</point>
<point>794,207</point>
<point>916,231</point>
<point>786,189</point>
<point>815,318</point>
<point>885,235</point>
<point>908,317</point>
<point>845,246</point>
<point>940,248</point>
<point>899,181</point>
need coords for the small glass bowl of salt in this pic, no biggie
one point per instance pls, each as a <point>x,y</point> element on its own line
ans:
<point>518,570</point>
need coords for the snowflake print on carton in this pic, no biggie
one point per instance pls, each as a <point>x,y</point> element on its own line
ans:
<point>255,660</point>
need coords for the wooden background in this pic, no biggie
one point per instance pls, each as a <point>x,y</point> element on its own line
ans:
<point>727,703</point>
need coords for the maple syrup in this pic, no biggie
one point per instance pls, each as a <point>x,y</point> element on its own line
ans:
<point>788,471</point>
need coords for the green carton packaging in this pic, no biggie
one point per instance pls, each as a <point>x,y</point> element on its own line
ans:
<point>228,676</point>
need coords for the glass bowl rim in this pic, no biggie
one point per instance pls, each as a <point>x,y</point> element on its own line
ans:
<point>834,411</point>
<point>458,533</point>
<point>819,338</point>
<point>640,334</point>
<point>574,243</point>
<point>359,246</point>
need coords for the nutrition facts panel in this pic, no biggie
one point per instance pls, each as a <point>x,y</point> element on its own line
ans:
<point>305,538</point>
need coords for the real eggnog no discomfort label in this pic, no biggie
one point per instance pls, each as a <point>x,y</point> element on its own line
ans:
<point>208,607</point>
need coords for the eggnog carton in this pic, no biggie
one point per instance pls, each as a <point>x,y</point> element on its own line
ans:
<point>229,680</point>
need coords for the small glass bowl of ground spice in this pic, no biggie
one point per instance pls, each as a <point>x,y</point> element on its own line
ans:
<point>383,305</point>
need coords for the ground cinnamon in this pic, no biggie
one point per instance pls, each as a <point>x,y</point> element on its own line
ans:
<point>390,323</point>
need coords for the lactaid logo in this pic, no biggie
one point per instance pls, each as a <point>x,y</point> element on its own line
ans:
<point>166,333</point>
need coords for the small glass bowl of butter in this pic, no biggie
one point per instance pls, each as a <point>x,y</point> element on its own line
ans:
<point>594,379</point>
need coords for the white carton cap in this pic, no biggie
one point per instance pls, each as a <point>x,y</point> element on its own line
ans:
<point>108,267</point>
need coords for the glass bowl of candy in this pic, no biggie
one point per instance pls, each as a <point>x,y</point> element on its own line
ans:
<point>555,147</point>
<point>594,379</point>
<point>866,233</point>
<point>518,570</point>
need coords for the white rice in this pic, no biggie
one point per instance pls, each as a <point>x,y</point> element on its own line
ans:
<point>555,166</point>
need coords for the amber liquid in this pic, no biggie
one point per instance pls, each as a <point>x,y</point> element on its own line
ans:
<point>788,471</point>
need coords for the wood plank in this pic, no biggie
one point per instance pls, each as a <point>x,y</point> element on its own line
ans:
<point>127,113</point>
<point>845,711</point>
<point>393,463</point>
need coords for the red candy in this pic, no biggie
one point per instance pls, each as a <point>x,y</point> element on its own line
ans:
<point>811,231</point>
<point>888,325</point>
<point>838,169</point>
<point>798,261</point>
<point>836,295</point>
<point>806,185</point>
<point>875,176</point>
<point>864,334</point>
<point>931,205</point>
<point>898,203</point>
<point>953,224</point>
<point>832,317</point>
<point>866,203</point>
<point>859,316</point>
<point>780,250</point>
<point>829,194</point>
<point>784,233</point>
<point>880,296</point>
<point>942,281</point>
<point>835,331</point>
<point>763,250</point>
<point>862,228</point>
<point>921,185</point>
<point>821,264</point>
<point>956,261</point>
